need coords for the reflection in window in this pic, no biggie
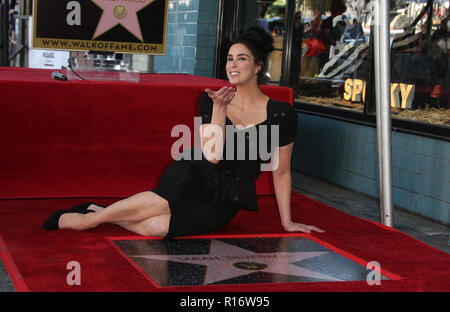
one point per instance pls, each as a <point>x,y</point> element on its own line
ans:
<point>332,60</point>
<point>335,66</point>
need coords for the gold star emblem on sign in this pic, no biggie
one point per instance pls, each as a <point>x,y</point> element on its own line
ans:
<point>120,12</point>
<point>124,14</point>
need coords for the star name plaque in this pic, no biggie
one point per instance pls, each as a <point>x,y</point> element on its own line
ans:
<point>196,262</point>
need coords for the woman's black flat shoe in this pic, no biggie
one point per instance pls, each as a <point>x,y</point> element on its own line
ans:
<point>52,222</point>
<point>83,208</point>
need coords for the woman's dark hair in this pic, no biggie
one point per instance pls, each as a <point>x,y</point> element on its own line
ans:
<point>260,44</point>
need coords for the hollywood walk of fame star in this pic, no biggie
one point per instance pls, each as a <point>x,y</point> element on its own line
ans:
<point>226,261</point>
<point>120,12</point>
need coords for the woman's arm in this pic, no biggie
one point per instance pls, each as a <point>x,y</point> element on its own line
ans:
<point>282,185</point>
<point>212,135</point>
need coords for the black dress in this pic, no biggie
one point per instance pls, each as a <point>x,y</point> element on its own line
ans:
<point>203,196</point>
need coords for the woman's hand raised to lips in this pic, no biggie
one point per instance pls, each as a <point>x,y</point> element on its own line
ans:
<point>222,96</point>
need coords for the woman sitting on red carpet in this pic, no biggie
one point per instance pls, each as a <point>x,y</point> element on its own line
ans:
<point>202,195</point>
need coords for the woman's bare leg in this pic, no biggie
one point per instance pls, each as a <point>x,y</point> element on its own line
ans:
<point>136,208</point>
<point>154,226</point>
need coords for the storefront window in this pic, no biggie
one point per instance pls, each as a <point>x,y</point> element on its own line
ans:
<point>331,57</point>
<point>420,52</point>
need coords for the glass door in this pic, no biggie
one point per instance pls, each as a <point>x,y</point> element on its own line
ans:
<point>236,16</point>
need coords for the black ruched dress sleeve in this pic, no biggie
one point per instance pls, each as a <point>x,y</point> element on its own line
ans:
<point>205,108</point>
<point>288,123</point>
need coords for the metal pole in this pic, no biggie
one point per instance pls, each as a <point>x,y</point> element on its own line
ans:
<point>219,40</point>
<point>383,102</point>
<point>26,11</point>
<point>287,43</point>
<point>375,84</point>
<point>4,32</point>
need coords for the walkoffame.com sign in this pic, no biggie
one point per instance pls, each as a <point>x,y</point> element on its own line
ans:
<point>127,26</point>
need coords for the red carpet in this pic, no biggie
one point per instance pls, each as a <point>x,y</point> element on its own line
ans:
<point>62,143</point>
<point>37,259</point>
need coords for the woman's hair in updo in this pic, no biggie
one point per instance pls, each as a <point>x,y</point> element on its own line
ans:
<point>260,44</point>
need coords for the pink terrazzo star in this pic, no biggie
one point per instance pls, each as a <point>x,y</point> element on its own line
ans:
<point>122,12</point>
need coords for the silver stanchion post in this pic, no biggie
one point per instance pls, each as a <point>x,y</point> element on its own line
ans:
<point>383,103</point>
<point>4,32</point>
